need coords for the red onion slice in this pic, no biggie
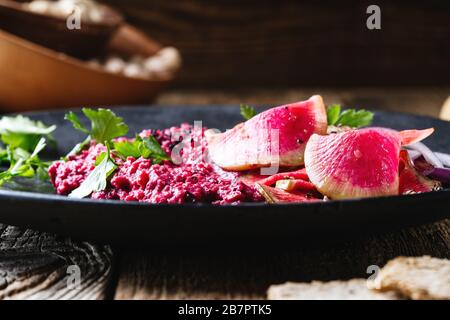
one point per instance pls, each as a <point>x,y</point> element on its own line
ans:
<point>429,156</point>
<point>440,174</point>
<point>445,158</point>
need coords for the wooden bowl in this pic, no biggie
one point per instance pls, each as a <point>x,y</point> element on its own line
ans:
<point>52,31</point>
<point>34,77</point>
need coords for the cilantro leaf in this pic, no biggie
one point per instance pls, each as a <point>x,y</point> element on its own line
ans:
<point>97,179</point>
<point>350,117</point>
<point>105,125</point>
<point>247,111</point>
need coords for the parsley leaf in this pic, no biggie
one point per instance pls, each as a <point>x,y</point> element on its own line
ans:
<point>97,179</point>
<point>125,149</point>
<point>150,147</point>
<point>247,111</point>
<point>72,117</point>
<point>78,147</point>
<point>333,113</point>
<point>3,156</point>
<point>22,132</point>
<point>105,125</point>
<point>21,124</point>
<point>350,117</point>
<point>24,164</point>
<point>147,147</point>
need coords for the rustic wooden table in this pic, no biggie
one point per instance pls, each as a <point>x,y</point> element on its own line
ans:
<point>34,265</point>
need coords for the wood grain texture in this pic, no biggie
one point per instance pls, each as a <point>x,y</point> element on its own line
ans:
<point>426,101</point>
<point>284,42</point>
<point>247,274</point>
<point>34,265</point>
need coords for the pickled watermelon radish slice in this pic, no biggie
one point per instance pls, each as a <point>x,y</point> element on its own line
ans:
<point>295,184</point>
<point>277,136</point>
<point>274,195</point>
<point>297,174</point>
<point>412,136</point>
<point>411,181</point>
<point>355,164</point>
<point>252,177</point>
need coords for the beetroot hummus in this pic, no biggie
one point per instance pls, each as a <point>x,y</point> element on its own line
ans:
<point>191,180</point>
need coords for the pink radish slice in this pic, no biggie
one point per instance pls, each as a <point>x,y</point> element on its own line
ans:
<point>298,174</point>
<point>295,184</point>
<point>276,136</point>
<point>354,164</point>
<point>412,136</point>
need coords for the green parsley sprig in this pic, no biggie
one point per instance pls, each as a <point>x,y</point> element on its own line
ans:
<point>105,127</point>
<point>23,140</point>
<point>247,111</point>
<point>350,117</point>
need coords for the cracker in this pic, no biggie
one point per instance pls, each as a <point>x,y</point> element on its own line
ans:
<point>418,278</point>
<point>355,289</point>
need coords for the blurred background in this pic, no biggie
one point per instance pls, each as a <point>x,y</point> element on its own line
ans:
<point>270,52</point>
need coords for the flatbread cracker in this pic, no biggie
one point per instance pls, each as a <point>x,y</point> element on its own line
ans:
<point>355,289</point>
<point>418,278</point>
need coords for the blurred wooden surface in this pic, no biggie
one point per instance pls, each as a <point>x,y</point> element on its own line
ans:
<point>274,43</point>
<point>33,265</point>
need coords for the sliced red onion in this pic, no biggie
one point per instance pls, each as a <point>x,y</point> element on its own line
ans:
<point>445,158</point>
<point>429,156</point>
<point>414,154</point>
<point>440,174</point>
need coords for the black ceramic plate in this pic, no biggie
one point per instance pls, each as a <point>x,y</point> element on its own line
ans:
<point>131,223</point>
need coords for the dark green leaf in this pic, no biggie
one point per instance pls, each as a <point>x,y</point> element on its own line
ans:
<point>150,148</point>
<point>247,111</point>
<point>3,156</point>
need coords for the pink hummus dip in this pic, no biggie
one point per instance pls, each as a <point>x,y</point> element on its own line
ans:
<point>192,180</point>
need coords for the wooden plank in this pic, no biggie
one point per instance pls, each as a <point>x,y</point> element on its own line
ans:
<point>219,274</point>
<point>34,265</point>
<point>283,42</point>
